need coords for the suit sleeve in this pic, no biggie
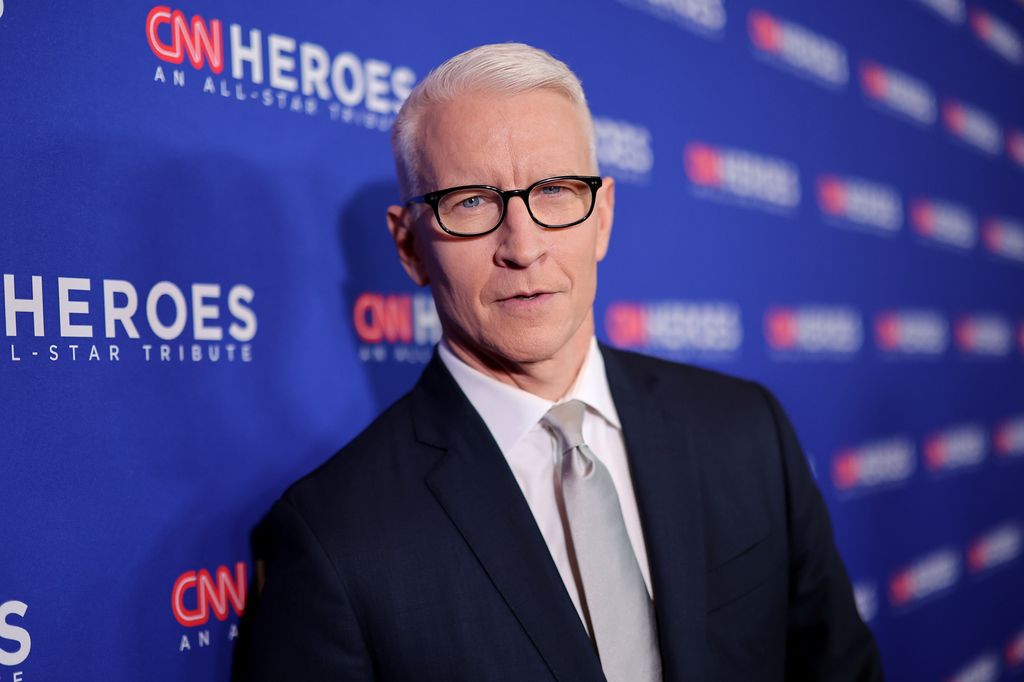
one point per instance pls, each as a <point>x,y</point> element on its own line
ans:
<point>826,638</point>
<point>303,626</point>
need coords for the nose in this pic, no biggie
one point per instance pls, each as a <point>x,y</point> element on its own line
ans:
<point>520,240</point>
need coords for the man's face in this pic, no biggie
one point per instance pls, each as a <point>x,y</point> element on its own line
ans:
<point>510,142</point>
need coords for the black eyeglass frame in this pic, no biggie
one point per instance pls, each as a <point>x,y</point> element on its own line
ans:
<point>433,199</point>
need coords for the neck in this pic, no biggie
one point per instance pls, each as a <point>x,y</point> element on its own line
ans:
<point>549,377</point>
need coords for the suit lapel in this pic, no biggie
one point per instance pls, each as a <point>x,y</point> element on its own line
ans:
<point>663,467</point>
<point>480,495</point>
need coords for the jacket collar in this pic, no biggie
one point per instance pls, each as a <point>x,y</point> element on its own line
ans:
<point>666,480</point>
<point>478,491</point>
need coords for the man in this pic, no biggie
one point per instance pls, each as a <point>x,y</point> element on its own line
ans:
<point>541,506</point>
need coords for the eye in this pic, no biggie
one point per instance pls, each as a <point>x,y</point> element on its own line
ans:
<point>469,201</point>
<point>561,190</point>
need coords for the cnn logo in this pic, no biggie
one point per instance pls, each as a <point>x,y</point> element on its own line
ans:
<point>199,40</point>
<point>218,591</point>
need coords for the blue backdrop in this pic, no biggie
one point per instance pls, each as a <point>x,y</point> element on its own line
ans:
<point>201,302</point>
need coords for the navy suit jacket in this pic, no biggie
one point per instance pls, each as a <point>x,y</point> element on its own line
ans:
<point>413,555</point>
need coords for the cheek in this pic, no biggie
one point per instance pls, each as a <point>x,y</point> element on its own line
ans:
<point>581,261</point>
<point>459,275</point>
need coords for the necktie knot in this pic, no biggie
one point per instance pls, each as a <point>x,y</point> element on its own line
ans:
<point>566,421</point>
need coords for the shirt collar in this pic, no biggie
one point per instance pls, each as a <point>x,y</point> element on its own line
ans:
<point>511,412</point>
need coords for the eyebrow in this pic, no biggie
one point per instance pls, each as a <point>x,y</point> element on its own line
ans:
<point>535,178</point>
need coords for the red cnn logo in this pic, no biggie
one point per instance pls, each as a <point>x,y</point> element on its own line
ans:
<point>888,331</point>
<point>1015,145</point>
<point>935,451</point>
<point>955,116</point>
<point>626,324</point>
<point>831,195</point>
<point>977,556</point>
<point>846,470</point>
<point>1014,653</point>
<point>922,215</point>
<point>781,328</point>
<point>992,235</point>
<point>873,79</point>
<point>901,588</point>
<point>1003,439</point>
<point>765,31</point>
<point>981,23</point>
<point>201,41</point>
<point>965,334</point>
<point>380,318</point>
<point>703,164</point>
<point>218,593</point>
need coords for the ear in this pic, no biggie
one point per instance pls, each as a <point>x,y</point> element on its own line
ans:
<point>605,210</point>
<point>401,226</point>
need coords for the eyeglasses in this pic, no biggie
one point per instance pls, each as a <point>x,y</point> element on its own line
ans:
<point>475,210</point>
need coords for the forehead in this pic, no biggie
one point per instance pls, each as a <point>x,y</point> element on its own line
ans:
<point>502,139</point>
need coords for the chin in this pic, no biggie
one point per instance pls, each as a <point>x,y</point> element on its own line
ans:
<point>532,345</point>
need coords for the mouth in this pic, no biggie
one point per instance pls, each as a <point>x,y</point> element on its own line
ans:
<point>525,296</point>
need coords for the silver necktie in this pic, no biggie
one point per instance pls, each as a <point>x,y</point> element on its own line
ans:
<point>613,594</point>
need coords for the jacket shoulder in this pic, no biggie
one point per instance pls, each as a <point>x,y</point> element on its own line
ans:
<point>680,380</point>
<point>374,462</point>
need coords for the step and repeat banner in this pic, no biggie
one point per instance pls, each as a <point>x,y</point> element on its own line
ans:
<point>201,301</point>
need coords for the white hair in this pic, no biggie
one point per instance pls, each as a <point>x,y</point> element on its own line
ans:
<point>503,68</point>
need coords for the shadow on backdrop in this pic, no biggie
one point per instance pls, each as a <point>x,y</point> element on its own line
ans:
<point>371,268</point>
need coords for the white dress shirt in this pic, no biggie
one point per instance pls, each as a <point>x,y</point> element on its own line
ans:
<point>513,417</point>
